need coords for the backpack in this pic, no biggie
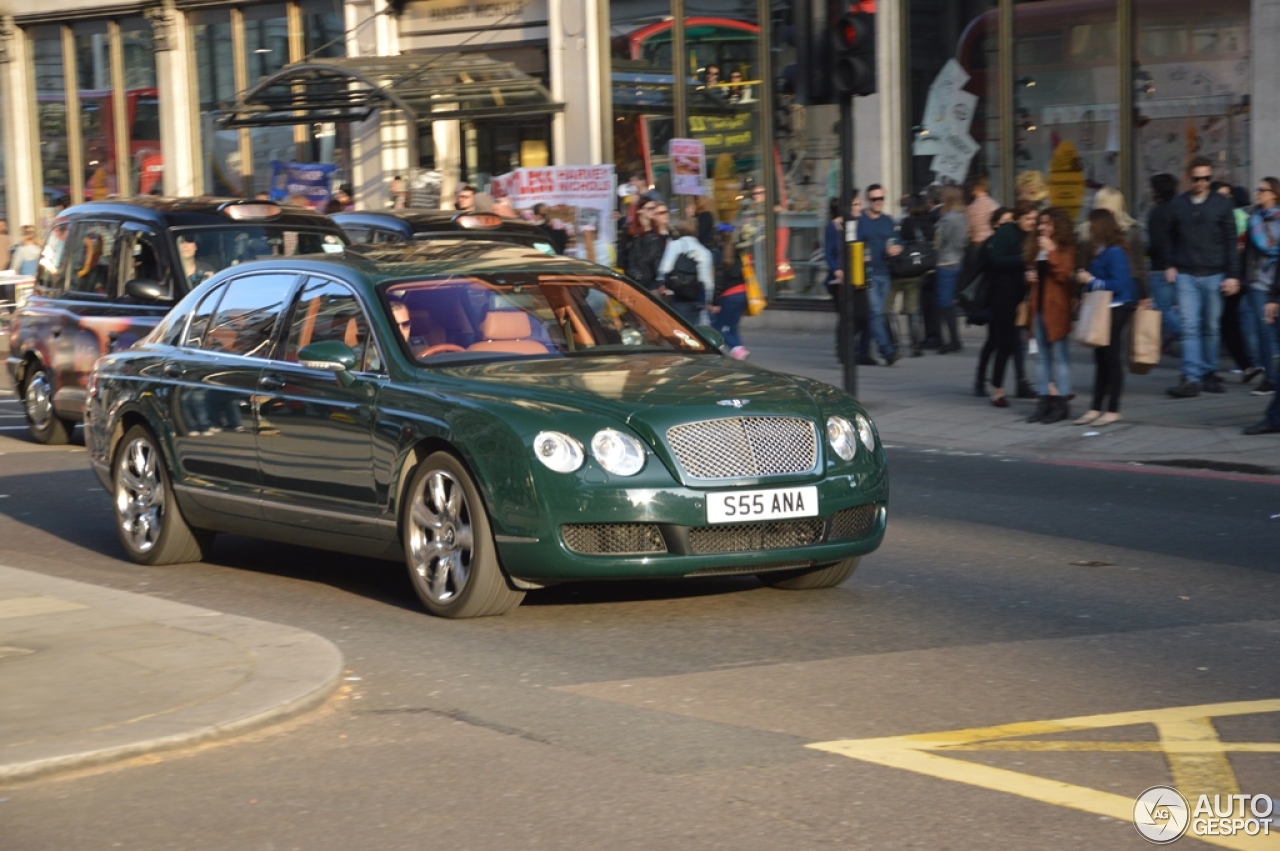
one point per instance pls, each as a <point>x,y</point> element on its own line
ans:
<point>683,281</point>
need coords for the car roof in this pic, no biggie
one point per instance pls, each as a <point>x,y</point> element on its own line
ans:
<point>437,221</point>
<point>431,259</point>
<point>186,212</point>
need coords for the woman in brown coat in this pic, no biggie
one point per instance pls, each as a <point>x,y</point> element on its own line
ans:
<point>1051,263</point>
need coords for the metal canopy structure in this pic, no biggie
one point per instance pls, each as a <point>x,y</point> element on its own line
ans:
<point>425,87</point>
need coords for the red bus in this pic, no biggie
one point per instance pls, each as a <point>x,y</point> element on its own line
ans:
<point>97,130</point>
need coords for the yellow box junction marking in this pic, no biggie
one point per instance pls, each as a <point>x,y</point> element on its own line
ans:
<point>1197,758</point>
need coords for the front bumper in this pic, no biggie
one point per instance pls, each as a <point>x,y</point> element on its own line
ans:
<point>668,535</point>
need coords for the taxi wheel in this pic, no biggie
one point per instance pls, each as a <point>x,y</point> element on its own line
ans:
<point>448,544</point>
<point>827,576</point>
<point>37,401</point>
<point>151,526</point>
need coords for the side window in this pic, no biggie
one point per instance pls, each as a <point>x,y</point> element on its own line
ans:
<point>357,235</point>
<point>138,259</point>
<point>246,318</point>
<point>199,320</point>
<point>327,310</point>
<point>384,237</point>
<point>93,247</point>
<point>52,272</point>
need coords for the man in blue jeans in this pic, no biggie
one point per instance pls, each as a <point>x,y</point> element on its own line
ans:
<point>1204,263</point>
<point>876,229</point>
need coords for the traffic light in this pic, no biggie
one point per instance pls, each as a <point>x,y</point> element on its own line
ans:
<point>854,53</point>
<point>835,43</point>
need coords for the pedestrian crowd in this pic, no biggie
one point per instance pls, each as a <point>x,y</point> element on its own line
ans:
<point>1039,279</point>
<point>703,270</point>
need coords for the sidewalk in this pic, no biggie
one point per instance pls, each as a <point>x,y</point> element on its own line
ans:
<point>929,402</point>
<point>93,675</point>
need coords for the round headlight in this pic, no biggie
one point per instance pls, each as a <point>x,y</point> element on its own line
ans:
<point>866,432</point>
<point>840,436</point>
<point>620,454</point>
<point>557,451</point>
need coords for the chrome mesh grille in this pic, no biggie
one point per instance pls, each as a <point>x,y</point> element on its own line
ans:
<point>857,522</point>
<point>745,447</point>
<point>748,537</point>
<point>613,538</point>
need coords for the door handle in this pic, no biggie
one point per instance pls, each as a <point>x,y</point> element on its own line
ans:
<point>174,370</point>
<point>271,382</point>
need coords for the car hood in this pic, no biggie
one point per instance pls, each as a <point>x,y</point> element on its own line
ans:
<point>658,388</point>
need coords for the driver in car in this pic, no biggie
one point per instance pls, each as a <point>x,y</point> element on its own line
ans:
<point>400,312</point>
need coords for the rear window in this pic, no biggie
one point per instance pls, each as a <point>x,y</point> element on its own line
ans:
<point>221,247</point>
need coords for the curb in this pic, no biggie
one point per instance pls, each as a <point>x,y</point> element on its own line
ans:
<point>293,671</point>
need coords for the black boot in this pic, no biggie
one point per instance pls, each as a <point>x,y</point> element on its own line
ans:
<point>1042,408</point>
<point>915,325</point>
<point>1058,410</point>
<point>1025,390</point>
<point>953,345</point>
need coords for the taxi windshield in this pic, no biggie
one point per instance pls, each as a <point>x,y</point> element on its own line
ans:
<point>528,315</point>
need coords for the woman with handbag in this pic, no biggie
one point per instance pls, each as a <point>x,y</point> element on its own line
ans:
<point>1052,256</point>
<point>1006,265</point>
<point>908,268</point>
<point>1109,269</point>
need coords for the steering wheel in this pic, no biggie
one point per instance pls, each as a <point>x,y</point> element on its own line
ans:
<point>439,349</point>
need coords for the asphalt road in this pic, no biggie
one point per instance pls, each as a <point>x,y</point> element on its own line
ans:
<point>680,715</point>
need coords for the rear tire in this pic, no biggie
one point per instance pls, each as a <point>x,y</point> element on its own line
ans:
<point>448,544</point>
<point>148,520</point>
<point>827,576</point>
<point>37,402</point>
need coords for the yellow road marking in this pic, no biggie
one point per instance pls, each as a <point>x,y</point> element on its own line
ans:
<point>1197,758</point>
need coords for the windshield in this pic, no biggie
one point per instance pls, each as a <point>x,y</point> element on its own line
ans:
<point>211,249</point>
<point>530,315</point>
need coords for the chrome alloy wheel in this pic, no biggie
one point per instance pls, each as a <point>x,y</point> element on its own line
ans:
<point>39,401</point>
<point>140,495</point>
<point>441,545</point>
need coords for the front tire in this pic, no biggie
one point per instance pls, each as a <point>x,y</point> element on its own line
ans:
<point>37,402</point>
<point>828,576</point>
<point>448,544</point>
<point>148,520</point>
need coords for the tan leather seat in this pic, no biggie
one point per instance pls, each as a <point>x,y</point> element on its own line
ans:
<point>507,331</point>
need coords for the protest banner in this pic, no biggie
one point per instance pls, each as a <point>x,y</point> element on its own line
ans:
<point>311,180</point>
<point>579,200</point>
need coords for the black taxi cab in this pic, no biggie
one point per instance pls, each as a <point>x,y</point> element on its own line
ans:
<point>402,226</point>
<point>110,270</point>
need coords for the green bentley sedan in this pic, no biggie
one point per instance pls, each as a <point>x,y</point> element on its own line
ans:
<point>499,419</point>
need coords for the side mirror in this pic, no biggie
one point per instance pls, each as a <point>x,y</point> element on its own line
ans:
<point>142,289</point>
<point>712,336</point>
<point>331,356</point>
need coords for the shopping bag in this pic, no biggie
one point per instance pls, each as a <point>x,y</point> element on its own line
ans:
<point>1144,347</point>
<point>756,302</point>
<point>1093,328</point>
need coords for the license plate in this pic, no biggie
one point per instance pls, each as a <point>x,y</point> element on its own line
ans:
<point>741,506</point>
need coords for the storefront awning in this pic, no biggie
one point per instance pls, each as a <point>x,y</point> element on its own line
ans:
<point>425,87</point>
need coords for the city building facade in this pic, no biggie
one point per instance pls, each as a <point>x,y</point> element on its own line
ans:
<point>1049,99</point>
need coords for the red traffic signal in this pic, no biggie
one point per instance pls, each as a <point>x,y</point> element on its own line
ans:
<point>854,66</point>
